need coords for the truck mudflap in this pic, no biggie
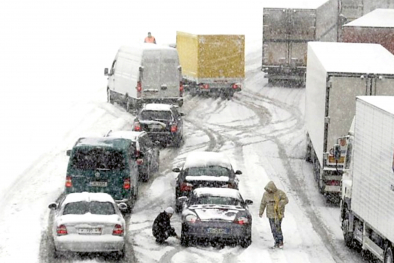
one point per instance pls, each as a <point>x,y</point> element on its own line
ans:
<point>284,73</point>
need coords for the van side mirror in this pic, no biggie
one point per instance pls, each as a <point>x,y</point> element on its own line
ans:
<point>180,68</point>
<point>248,202</point>
<point>238,172</point>
<point>122,207</point>
<point>106,72</point>
<point>141,68</point>
<point>176,170</point>
<point>68,152</point>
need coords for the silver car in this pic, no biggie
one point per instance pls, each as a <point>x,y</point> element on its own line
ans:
<point>88,222</point>
<point>217,215</point>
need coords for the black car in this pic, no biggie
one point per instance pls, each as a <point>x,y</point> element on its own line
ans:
<point>216,214</point>
<point>204,169</point>
<point>147,153</point>
<point>162,122</point>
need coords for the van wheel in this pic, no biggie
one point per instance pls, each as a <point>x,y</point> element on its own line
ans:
<point>109,97</point>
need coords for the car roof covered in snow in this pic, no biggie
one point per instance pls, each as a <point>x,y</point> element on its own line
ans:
<point>158,107</point>
<point>107,142</point>
<point>385,103</point>
<point>223,192</point>
<point>376,18</point>
<point>353,57</point>
<point>88,197</point>
<point>131,135</point>
<point>296,4</point>
<point>202,159</point>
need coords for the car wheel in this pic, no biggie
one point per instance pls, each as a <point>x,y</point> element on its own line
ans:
<point>185,240</point>
<point>109,97</point>
<point>120,254</point>
<point>146,175</point>
<point>246,242</point>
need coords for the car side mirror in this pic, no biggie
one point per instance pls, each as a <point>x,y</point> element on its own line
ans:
<point>68,152</point>
<point>53,206</point>
<point>248,202</point>
<point>238,172</point>
<point>176,170</point>
<point>183,199</point>
<point>122,207</point>
<point>106,72</point>
<point>182,114</point>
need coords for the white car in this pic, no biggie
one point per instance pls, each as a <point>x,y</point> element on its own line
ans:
<point>88,222</point>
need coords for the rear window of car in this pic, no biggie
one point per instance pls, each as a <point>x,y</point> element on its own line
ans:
<point>94,207</point>
<point>208,171</point>
<point>214,200</point>
<point>98,158</point>
<point>155,115</point>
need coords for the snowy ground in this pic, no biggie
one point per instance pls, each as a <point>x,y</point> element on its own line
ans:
<point>58,95</point>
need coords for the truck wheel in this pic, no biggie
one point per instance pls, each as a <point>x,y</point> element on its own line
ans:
<point>109,97</point>
<point>347,236</point>
<point>308,154</point>
<point>388,255</point>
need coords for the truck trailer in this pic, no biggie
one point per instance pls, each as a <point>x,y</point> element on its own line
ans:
<point>350,10</point>
<point>212,64</point>
<point>287,28</point>
<point>368,186</point>
<point>374,27</point>
<point>336,74</point>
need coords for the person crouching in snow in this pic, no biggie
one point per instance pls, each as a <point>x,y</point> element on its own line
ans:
<point>274,200</point>
<point>161,228</point>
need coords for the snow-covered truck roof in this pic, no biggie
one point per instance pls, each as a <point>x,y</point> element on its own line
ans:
<point>295,4</point>
<point>376,18</point>
<point>353,57</point>
<point>385,103</point>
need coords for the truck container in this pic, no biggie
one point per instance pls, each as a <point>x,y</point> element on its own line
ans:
<point>350,10</point>
<point>336,74</point>
<point>212,64</point>
<point>374,27</point>
<point>368,187</point>
<point>287,28</point>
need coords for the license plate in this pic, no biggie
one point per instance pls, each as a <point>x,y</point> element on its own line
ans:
<point>98,184</point>
<point>89,231</point>
<point>217,230</point>
<point>156,126</point>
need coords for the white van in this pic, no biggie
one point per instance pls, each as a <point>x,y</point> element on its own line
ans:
<point>145,73</point>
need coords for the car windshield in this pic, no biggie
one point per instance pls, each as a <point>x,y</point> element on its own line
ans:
<point>151,115</point>
<point>214,200</point>
<point>208,170</point>
<point>94,207</point>
<point>98,158</point>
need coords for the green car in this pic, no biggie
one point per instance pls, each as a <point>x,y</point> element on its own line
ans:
<point>104,165</point>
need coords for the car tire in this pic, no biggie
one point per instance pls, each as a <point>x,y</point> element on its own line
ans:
<point>109,97</point>
<point>185,240</point>
<point>146,175</point>
<point>178,142</point>
<point>246,242</point>
<point>120,254</point>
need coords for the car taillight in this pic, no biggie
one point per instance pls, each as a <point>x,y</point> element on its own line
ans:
<point>186,187</point>
<point>181,89</point>
<point>69,182</point>
<point>236,86</point>
<point>140,161</point>
<point>204,86</point>
<point>118,230</point>
<point>61,230</point>
<point>126,183</point>
<point>174,128</point>
<point>191,219</point>
<point>137,126</point>
<point>334,183</point>
<point>241,220</point>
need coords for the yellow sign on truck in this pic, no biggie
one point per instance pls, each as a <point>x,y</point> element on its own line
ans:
<point>212,64</point>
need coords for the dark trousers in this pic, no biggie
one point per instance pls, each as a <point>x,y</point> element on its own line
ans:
<point>162,236</point>
<point>276,229</point>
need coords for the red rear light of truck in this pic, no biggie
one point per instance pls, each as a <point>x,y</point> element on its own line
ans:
<point>204,86</point>
<point>181,89</point>
<point>137,126</point>
<point>69,182</point>
<point>139,86</point>
<point>186,187</point>
<point>174,128</point>
<point>334,183</point>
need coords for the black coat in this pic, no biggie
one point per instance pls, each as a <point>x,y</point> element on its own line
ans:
<point>162,225</point>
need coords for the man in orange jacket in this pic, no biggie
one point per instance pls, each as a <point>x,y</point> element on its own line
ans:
<point>150,39</point>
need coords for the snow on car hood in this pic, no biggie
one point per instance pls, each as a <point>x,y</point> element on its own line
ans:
<point>89,218</point>
<point>208,178</point>
<point>209,212</point>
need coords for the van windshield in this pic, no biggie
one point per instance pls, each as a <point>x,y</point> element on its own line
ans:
<point>97,159</point>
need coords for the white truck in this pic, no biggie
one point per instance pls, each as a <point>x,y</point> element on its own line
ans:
<point>336,74</point>
<point>368,187</point>
<point>287,28</point>
<point>350,10</point>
